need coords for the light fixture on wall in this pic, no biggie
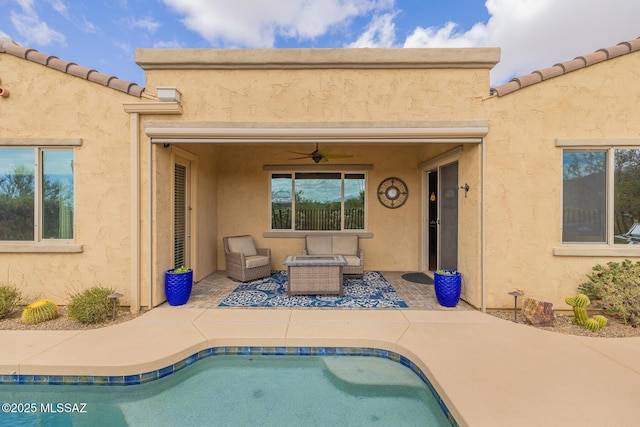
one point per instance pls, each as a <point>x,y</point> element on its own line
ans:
<point>169,94</point>
<point>464,187</point>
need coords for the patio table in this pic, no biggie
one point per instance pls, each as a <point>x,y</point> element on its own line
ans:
<point>314,274</point>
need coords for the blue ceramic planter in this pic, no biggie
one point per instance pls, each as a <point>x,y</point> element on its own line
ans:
<point>178,286</point>
<point>448,287</point>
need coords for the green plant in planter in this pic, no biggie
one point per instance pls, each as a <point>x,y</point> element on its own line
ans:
<point>9,298</point>
<point>180,270</point>
<point>91,305</point>
<point>39,311</point>
<point>447,272</point>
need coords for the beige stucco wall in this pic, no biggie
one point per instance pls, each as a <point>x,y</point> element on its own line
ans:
<point>45,103</point>
<point>524,175</point>
<point>230,185</point>
<point>237,94</point>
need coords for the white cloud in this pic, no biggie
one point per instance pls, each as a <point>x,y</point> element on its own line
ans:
<point>249,23</point>
<point>29,26</point>
<point>147,24</point>
<point>379,33</point>
<point>60,7</point>
<point>171,44</point>
<point>536,34</point>
<point>87,26</point>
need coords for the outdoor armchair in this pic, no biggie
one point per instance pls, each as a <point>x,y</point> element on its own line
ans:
<point>245,262</point>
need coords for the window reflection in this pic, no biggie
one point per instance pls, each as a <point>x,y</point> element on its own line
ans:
<point>17,186</point>
<point>318,201</point>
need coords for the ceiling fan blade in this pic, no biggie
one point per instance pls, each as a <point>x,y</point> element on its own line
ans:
<point>319,155</point>
<point>338,156</point>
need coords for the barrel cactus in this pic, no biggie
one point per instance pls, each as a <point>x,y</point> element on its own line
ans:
<point>596,323</point>
<point>39,311</point>
<point>579,304</point>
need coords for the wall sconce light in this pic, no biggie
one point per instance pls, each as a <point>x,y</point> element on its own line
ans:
<point>168,94</point>
<point>464,187</point>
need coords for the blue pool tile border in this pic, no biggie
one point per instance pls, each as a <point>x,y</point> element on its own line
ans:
<point>137,379</point>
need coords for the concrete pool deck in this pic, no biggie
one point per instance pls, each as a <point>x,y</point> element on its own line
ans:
<point>489,372</point>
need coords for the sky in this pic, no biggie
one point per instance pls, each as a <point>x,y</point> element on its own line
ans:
<point>532,34</point>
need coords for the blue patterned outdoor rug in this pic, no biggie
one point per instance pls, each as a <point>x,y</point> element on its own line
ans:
<point>372,291</point>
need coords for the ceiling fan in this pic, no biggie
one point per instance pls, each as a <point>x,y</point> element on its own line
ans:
<point>320,155</point>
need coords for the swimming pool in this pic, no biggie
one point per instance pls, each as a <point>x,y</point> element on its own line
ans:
<point>247,387</point>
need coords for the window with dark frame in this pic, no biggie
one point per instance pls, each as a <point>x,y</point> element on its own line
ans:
<point>36,194</point>
<point>601,195</point>
<point>318,201</point>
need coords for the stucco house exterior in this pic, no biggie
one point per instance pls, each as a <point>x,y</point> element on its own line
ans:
<point>516,186</point>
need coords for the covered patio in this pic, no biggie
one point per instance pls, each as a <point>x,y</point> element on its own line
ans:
<point>212,290</point>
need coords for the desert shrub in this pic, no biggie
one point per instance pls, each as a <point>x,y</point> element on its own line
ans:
<point>615,289</point>
<point>9,298</point>
<point>91,306</point>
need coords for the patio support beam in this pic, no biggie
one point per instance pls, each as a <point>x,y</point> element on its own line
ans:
<point>466,131</point>
<point>135,111</point>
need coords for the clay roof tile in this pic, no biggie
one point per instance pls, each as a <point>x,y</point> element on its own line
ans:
<point>35,56</point>
<point>98,77</point>
<point>568,66</point>
<point>633,44</point>
<point>59,64</point>
<point>12,48</point>
<point>78,71</point>
<point>617,50</point>
<point>594,58</point>
<point>506,88</point>
<point>528,79</point>
<point>136,90</point>
<point>548,73</point>
<point>572,65</point>
<point>17,50</point>
<point>121,85</point>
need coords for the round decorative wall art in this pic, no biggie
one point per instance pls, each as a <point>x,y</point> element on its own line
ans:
<point>392,193</point>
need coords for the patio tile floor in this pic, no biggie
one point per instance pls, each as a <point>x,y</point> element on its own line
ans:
<point>210,291</point>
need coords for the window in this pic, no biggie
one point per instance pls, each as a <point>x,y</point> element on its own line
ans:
<point>601,195</point>
<point>36,194</point>
<point>323,201</point>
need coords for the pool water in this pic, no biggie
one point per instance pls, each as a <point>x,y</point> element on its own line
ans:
<point>238,390</point>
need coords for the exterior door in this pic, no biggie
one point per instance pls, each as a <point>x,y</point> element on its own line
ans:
<point>448,216</point>
<point>181,213</point>
<point>432,195</point>
<point>442,208</point>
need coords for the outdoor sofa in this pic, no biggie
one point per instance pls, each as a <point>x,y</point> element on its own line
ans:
<point>338,244</point>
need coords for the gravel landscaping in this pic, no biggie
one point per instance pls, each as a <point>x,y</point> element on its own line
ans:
<point>62,322</point>
<point>563,325</point>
